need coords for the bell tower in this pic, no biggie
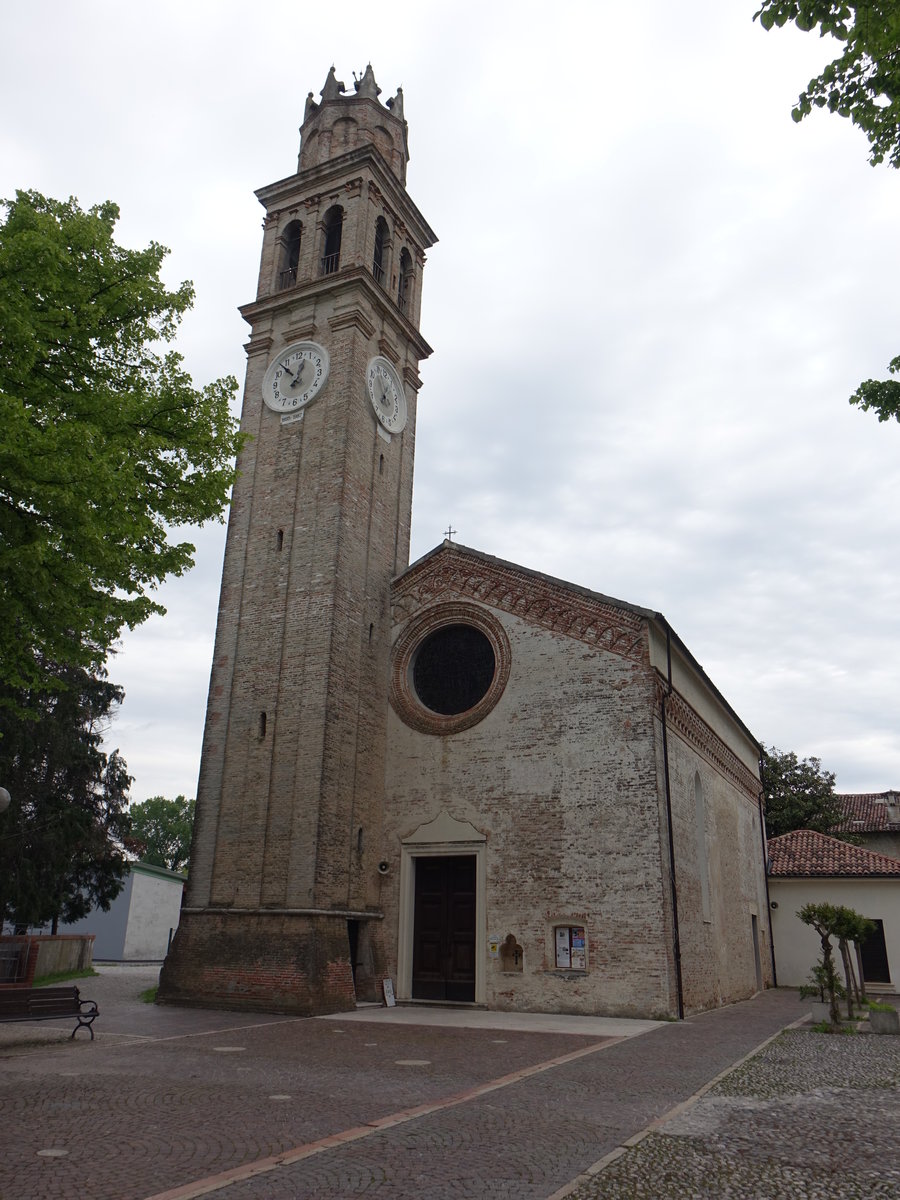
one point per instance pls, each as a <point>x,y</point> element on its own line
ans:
<point>282,906</point>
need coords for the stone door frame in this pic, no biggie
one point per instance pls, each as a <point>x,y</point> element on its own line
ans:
<point>445,836</point>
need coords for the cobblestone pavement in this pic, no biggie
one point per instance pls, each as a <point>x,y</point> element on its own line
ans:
<point>812,1116</point>
<point>178,1103</point>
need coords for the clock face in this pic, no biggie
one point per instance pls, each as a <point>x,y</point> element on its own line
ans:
<point>295,377</point>
<point>386,393</point>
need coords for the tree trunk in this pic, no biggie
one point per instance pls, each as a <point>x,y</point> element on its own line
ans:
<point>849,977</point>
<point>862,979</point>
<point>830,978</point>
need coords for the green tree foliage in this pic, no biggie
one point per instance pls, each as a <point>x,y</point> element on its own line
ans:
<point>161,831</point>
<point>798,794</point>
<point>61,839</point>
<point>881,396</point>
<point>848,926</point>
<point>823,919</point>
<point>862,83</point>
<point>106,445</point>
<point>852,928</point>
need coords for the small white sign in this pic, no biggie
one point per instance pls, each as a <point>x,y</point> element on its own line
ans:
<point>388,986</point>
<point>292,418</point>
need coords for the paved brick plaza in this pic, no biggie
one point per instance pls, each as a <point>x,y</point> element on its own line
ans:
<point>181,1103</point>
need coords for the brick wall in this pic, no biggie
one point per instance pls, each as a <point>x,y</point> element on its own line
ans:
<point>565,780</point>
<point>561,779</point>
<point>262,962</point>
<point>290,796</point>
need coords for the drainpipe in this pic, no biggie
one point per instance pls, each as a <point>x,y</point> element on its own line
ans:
<point>676,939</point>
<point>765,853</point>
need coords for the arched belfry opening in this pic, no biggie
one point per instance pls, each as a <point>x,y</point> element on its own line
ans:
<point>290,254</point>
<point>379,258</point>
<point>404,286</point>
<point>332,226</point>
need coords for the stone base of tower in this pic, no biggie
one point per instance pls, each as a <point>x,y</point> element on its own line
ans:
<point>270,962</point>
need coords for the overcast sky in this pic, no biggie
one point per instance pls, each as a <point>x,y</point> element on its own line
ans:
<point>652,296</point>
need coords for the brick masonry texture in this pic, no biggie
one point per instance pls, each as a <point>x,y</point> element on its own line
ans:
<point>590,755</point>
<point>292,774</point>
<point>565,780</point>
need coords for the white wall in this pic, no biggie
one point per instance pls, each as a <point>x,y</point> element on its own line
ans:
<point>797,946</point>
<point>155,908</point>
<point>138,921</point>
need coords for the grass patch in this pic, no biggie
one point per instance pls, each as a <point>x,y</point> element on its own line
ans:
<point>149,996</point>
<point>826,1027</point>
<point>64,977</point>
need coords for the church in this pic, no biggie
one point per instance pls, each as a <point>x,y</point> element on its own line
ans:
<point>479,783</point>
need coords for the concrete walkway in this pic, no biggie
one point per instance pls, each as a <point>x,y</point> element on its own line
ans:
<point>171,1103</point>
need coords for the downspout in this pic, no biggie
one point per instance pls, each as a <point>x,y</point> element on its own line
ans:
<point>676,938</point>
<point>765,853</point>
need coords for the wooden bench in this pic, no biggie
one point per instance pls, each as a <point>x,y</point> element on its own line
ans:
<point>47,1004</point>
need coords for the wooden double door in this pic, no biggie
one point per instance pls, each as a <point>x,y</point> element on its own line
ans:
<point>444,928</point>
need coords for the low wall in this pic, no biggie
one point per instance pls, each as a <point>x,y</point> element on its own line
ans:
<point>51,955</point>
<point>64,952</point>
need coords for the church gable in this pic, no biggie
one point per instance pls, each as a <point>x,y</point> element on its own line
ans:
<point>457,573</point>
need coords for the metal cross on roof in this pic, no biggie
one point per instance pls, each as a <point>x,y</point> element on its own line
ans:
<point>448,533</point>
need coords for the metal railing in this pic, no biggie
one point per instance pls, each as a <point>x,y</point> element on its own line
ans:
<point>13,960</point>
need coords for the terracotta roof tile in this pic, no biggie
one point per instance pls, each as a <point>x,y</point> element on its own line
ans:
<point>803,852</point>
<point>867,812</point>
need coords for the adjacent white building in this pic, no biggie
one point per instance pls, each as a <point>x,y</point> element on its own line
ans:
<point>140,921</point>
<point>811,868</point>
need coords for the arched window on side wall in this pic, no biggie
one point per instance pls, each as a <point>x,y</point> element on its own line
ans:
<point>378,259</point>
<point>702,856</point>
<point>331,253</point>
<point>404,289</point>
<point>290,254</point>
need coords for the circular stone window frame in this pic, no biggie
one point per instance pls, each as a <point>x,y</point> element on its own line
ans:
<point>407,705</point>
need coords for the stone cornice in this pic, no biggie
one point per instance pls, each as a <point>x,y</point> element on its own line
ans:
<point>340,282</point>
<point>352,318</point>
<point>326,177</point>
<point>535,599</point>
<point>691,728</point>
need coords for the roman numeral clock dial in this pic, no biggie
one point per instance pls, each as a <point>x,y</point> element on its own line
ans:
<point>386,394</point>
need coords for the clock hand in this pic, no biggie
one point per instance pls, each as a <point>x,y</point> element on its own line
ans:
<point>294,382</point>
<point>285,367</point>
